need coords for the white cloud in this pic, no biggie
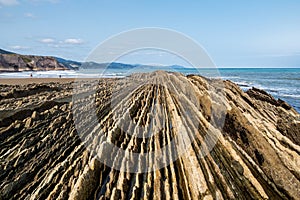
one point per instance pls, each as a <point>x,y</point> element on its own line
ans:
<point>61,44</point>
<point>73,41</point>
<point>8,2</point>
<point>47,40</point>
<point>18,47</point>
<point>29,15</point>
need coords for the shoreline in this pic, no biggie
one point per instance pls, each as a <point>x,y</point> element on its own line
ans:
<point>25,81</point>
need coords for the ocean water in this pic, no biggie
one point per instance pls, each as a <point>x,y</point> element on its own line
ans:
<point>283,83</point>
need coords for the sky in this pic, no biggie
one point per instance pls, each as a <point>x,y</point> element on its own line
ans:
<point>234,33</point>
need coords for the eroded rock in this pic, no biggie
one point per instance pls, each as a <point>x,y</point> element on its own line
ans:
<point>255,156</point>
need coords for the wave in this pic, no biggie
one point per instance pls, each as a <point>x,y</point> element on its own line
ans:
<point>38,74</point>
<point>291,78</point>
<point>291,95</point>
<point>57,74</point>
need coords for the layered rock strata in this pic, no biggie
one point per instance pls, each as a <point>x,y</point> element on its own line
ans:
<point>255,154</point>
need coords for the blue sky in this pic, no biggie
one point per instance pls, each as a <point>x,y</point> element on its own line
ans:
<point>234,33</point>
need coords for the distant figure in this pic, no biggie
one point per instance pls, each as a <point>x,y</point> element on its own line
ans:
<point>31,75</point>
<point>59,76</point>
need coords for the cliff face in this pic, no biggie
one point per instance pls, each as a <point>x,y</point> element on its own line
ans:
<point>15,62</point>
<point>256,154</point>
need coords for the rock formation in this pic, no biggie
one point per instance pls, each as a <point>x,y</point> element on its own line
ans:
<point>43,156</point>
<point>11,62</point>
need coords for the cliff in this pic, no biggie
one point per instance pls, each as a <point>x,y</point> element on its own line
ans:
<point>11,62</point>
<point>256,151</point>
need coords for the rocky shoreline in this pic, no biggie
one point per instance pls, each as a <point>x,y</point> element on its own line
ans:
<point>256,156</point>
<point>13,62</point>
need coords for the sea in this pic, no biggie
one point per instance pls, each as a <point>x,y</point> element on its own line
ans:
<point>283,83</point>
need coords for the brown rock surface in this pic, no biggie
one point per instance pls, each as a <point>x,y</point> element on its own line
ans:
<point>16,62</point>
<point>256,156</point>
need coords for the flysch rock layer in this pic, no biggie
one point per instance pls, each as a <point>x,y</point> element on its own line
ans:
<point>42,155</point>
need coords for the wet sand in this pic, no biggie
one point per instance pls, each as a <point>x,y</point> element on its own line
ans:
<point>25,81</point>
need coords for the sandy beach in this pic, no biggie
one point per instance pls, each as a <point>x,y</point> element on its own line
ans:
<point>25,81</point>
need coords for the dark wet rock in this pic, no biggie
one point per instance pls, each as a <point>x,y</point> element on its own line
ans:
<point>284,104</point>
<point>262,95</point>
<point>289,126</point>
<point>266,97</point>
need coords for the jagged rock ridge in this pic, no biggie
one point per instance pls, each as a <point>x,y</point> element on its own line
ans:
<point>42,156</point>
